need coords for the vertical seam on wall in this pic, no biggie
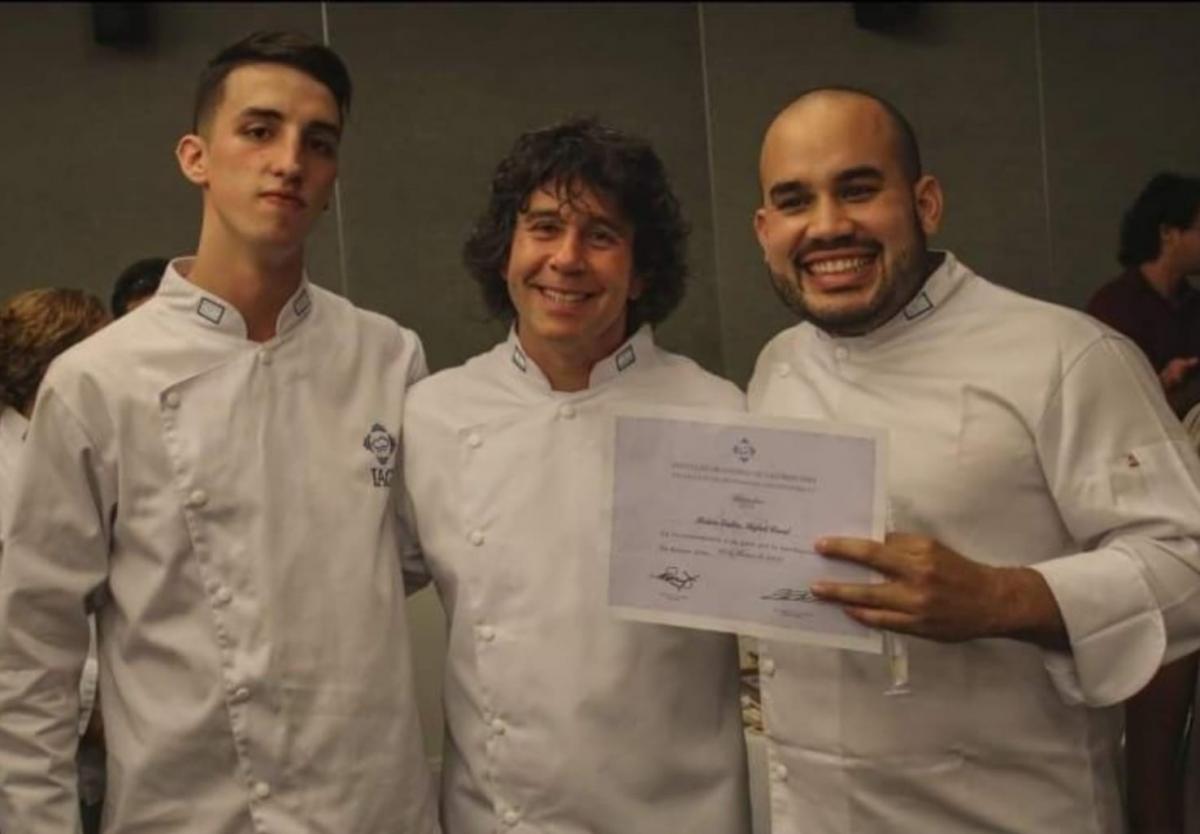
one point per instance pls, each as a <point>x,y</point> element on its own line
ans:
<point>337,185</point>
<point>1041,91</point>
<point>712,187</point>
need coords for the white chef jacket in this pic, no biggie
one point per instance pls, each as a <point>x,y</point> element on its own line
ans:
<point>234,497</point>
<point>13,426</point>
<point>1020,433</point>
<point>562,719</point>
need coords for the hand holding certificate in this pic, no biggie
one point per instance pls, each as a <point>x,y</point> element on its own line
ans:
<point>715,516</point>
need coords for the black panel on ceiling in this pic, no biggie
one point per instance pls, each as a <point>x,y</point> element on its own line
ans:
<point>884,17</point>
<point>124,25</point>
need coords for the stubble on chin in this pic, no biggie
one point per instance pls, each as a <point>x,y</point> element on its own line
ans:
<point>851,321</point>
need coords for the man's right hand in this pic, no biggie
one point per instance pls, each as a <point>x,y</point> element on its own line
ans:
<point>1176,371</point>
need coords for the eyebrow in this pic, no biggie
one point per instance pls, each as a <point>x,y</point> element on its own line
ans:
<point>789,188</point>
<point>274,115</point>
<point>862,172</point>
<point>540,214</point>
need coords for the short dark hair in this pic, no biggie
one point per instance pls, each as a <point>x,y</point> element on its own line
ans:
<point>908,149</point>
<point>137,281</point>
<point>577,153</point>
<point>287,48</point>
<point>1167,200</point>
<point>35,327</point>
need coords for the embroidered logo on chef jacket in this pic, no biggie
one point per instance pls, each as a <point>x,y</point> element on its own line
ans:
<point>382,447</point>
<point>210,310</point>
<point>518,359</point>
<point>744,450</point>
<point>919,306</point>
<point>302,304</point>
<point>626,357</point>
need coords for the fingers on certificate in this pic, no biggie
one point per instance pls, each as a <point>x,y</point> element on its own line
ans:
<point>929,590</point>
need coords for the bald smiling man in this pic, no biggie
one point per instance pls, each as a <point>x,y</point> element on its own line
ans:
<point>1044,558</point>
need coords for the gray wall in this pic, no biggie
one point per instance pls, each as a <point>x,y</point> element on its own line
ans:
<point>1041,120</point>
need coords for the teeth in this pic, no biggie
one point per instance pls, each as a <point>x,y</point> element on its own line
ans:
<point>562,295</point>
<point>839,265</point>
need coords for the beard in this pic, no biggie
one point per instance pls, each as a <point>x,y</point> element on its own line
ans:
<point>898,282</point>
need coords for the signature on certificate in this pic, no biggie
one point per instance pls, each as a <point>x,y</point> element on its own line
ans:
<point>678,579</point>
<point>791,595</point>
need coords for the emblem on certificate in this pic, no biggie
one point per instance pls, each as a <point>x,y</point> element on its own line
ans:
<point>715,515</point>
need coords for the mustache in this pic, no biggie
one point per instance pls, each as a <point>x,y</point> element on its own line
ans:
<point>833,244</point>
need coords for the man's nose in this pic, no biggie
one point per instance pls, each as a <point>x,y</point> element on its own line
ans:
<point>288,160</point>
<point>568,256</point>
<point>829,220</point>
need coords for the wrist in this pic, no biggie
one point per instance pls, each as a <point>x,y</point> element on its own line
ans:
<point>1026,608</point>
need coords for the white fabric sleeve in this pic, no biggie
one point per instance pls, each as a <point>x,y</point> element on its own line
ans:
<point>55,555</point>
<point>1128,488</point>
<point>412,561</point>
<point>89,680</point>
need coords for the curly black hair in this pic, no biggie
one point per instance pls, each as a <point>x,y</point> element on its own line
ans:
<point>1169,199</point>
<point>583,153</point>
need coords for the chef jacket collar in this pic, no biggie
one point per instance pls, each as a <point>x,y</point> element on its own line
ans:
<point>939,286</point>
<point>13,425</point>
<point>215,313</point>
<point>635,351</point>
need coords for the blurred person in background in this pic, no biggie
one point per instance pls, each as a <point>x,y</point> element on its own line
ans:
<point>35,327</point>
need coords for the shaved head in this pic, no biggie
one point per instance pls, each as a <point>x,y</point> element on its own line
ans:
<point>903,139</point>
<point>845,210</point>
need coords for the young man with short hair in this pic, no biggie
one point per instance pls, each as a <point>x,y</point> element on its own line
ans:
<point>220,466</point>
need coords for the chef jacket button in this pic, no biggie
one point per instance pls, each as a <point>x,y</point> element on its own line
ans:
<point>511,817</point>
<point>498,727</point>
<point>782,369</point>
<point>223,596</point>
<point>262,790</point>
<point>197,499</point>
<point>240,695</point>
<point>779,772</point>
<point>486,633</point>
<point>476,537</point>
<point>567,412</point>
<point>841,352</point>
<point>474,440</point>
<point>265,356</point>
<point>767,666</point>
<point>172,399</point>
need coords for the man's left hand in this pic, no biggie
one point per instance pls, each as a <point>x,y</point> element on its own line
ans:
<point>932,591</point>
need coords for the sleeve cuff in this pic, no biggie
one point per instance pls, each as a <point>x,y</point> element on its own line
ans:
<point>1114,624</point>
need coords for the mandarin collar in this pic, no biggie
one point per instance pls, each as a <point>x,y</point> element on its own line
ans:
<point>634,352</point>
<point>13,424</point>
<point>211,312</point>
<point>941,284</point>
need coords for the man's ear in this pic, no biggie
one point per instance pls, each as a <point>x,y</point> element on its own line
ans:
<point>1167,235</point>
<point>928,198</point>
<point>637,286</point>
<point>192,154</point>
<point>760,228</point>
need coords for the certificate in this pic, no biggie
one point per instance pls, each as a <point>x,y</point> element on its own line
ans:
<point>715,515</point>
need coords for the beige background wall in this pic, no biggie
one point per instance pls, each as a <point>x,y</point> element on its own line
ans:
<point>1042,121</point>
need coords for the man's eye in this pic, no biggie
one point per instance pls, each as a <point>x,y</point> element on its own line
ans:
<point>325,147</point>
<point>603,237</point>
<point>542,228</point>
<point>257,132</point>
<point>855,193</point>
<point>789,205</point>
